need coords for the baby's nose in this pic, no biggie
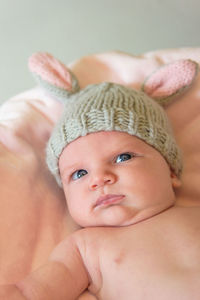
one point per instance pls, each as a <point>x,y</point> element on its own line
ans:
<point>102,179</point>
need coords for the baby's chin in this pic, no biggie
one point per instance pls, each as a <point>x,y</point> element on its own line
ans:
<point>118,216</point>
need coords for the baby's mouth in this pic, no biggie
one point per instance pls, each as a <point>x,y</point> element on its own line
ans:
<point>108,200</point>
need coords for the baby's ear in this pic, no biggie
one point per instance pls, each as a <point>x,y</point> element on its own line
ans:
<point>52,75</point>
<point>170,80</point>
<point>176,182</point>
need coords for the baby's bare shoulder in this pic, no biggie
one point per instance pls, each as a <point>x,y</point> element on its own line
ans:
<point>90,243</point>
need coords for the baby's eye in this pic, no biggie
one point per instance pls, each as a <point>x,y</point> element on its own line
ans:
<point>78,174</point>
<point>123,157</point>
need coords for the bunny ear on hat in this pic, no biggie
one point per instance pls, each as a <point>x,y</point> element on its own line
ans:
<point>170,80</point>
<point>52,75</point>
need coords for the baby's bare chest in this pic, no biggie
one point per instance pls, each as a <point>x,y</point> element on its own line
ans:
<point>151,263</point>
<point>152,273</point>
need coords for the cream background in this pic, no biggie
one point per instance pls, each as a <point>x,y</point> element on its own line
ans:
<point>70,29</point>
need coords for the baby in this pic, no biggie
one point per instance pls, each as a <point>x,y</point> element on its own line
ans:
<point>114,154</point>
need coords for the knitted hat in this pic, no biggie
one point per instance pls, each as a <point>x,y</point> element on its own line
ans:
<point>107,107</point>
<point>111,107</point>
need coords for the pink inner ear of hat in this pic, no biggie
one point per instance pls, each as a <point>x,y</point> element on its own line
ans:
<point>51,70</point>
<point>169,79</point>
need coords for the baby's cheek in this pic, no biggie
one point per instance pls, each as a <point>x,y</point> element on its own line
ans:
<point>74,210</point>
<point>75,202</point>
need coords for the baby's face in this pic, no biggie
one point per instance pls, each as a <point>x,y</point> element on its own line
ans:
<point>115,179</point>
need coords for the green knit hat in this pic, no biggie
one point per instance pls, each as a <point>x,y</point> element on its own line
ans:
<point>104,107</point>
<point>107,107</point>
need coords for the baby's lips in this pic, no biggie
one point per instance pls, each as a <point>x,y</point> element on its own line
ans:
<point>109,199</point>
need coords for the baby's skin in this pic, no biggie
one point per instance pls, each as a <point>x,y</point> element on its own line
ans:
<point>136,240</point>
